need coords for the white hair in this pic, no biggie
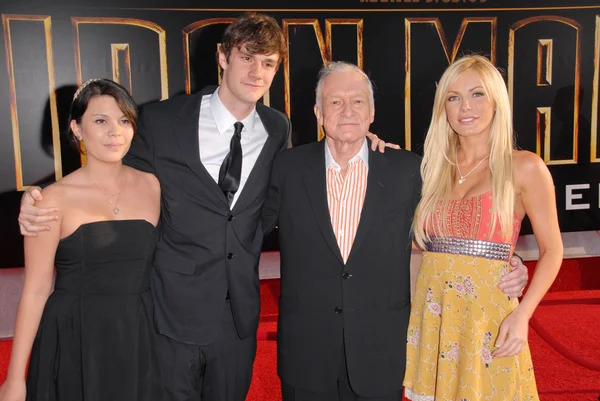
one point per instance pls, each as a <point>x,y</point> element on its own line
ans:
<point>340,66</point>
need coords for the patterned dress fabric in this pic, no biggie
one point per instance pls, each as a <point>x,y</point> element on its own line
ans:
<point>457,311</point>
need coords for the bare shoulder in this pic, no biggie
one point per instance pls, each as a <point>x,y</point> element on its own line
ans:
<point>146,180</point>
<point>59,193</point>
<point>525,156</point>
<point>144,195</point>
<point>145,184</point>
<point>52,196</point>
<point>528,168</point>
<point>526,162</point>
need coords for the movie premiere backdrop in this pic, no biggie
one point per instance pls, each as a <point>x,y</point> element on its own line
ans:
<point>548,49</point>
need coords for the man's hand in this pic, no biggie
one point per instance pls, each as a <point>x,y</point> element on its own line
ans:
<point>380,144</point>
<point>513,283</point>
<point>32,218</point>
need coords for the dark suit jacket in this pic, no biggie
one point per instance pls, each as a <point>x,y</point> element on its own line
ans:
<point>205,249</point>
<point>326,305</point>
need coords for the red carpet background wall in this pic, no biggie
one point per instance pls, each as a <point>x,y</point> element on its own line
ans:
<point>568,316</point>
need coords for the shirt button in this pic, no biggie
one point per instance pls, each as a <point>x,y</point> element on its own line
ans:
<point>230,255</point>
<point>343,203</point>
<point>230,217</point>
<point>338,310</point>
<point>341,232</point>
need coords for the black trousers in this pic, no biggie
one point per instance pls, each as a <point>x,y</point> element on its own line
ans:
<point>344,391</point>
<point>219,371</point>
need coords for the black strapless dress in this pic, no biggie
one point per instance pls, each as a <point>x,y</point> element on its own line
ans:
<point>96,336</point>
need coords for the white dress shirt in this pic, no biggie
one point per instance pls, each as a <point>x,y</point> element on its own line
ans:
<point>215,129</point>
<point>363,153</point>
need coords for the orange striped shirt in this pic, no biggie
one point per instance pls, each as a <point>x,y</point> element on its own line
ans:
<point>346,196</point>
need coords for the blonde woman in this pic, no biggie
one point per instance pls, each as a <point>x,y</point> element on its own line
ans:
<point>466,339</point>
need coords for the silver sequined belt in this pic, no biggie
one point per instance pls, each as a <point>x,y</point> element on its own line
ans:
<point>470,247</point>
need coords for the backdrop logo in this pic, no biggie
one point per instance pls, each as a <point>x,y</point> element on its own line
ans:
<point>550,58</point>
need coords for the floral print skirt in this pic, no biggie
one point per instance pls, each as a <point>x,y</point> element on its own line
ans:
<point>455,318</point>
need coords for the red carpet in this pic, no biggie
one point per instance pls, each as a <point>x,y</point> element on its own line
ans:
<point>568,317</point>
<point>5,346</point>
<point>567,313</point>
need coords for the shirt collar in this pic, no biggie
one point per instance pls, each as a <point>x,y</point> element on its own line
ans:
<point>362,154</point>
<point>225,120</point>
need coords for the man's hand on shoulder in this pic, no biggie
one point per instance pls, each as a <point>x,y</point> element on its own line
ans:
<point>31,218</point>
<point>380,144</point>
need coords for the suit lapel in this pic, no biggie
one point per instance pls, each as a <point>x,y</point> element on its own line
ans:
<point>265,157</point>
<point>315,180</point>
<point>373,198</point>
<point>186,133</point>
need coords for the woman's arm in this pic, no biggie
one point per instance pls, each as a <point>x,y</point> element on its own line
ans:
<point>535,196</point>
<point>39,268</point>
<point>415,265</point>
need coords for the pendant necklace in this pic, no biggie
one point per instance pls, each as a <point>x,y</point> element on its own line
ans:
<point>464,177</point>
<point>115,204</point>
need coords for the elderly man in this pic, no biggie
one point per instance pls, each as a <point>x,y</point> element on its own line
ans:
<point>344,217</point>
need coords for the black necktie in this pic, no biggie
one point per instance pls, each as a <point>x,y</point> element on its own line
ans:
<point>231,169</point>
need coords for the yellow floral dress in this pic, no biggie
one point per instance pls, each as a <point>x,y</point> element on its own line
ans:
<point>457,311</point>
